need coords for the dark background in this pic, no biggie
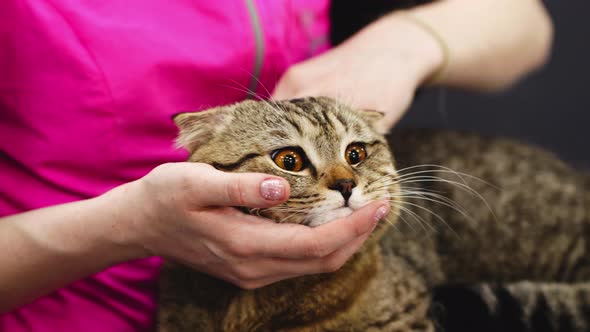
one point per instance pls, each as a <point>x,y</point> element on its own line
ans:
<point>549,108</point>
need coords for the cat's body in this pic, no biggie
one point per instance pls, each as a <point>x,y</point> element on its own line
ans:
<point>523,267</point>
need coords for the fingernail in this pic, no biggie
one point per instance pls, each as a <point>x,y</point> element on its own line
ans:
<point>272,189</point>
<point>381,213</point>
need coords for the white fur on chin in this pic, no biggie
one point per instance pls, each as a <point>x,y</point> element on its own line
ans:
<point>330,216</point>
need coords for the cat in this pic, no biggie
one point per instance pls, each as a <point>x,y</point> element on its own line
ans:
<point>456,253</point>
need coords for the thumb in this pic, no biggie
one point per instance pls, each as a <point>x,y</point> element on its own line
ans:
<point>242,189</point>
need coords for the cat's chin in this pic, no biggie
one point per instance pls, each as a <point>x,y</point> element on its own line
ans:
<point>332,215</point>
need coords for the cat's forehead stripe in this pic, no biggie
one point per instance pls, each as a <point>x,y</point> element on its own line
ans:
<point>321,113</point>
<point>295,125</point>
<point>304,110</point>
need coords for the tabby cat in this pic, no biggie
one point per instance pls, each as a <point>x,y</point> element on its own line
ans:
<point>456,253</point>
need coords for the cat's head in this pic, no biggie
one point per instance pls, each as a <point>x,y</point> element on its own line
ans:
<point>332,156</point>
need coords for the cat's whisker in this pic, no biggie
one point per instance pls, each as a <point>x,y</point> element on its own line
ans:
<point>247,91</point>
<point>452,204</point>
<point>389,185</point>
<point>293,215</point>
<point>436,168</point>
<point>400,208</point>
<point>287,207</point>
<point>394,179</point>
<point>414,215</point>
<point>274,101</point>
<point>231,87</point>
<point>418,193</point>
<point>432,178</point>
<point>434,198</point>
<point>291,211</point>
<point>240,87</point>
<point>446,170</point>
<point>461,186</point>
<point>383,178</point>
<point>416,176</point>
<point>259,82</point>
<point>284,220</point>
<point>399,215</point>
<point>436,215</point>
<point>259,98</point>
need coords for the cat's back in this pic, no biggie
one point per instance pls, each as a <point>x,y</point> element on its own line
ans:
<point>514,206</point>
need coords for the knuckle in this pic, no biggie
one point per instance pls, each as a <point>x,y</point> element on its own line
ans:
<point>239,250</point>
<point>152,179</point>
<point>186,182</point>
<point>359,230</point>
<point>162,168</point>
<point>333,265</point>
<point>315,249</point>
<point>245,274</point>
<point>235,192</point>
<point>291,71</point>
<point>294,76</point>
<point>360,227</point>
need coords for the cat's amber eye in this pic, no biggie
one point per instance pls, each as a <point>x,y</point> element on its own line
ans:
<point>355,153</point>
<point>289,159</point>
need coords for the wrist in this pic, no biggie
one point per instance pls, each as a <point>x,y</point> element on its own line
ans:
<point>122,222</point>
<point>423,53</point>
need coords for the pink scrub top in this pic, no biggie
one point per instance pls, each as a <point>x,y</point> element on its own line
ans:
<point>87,89</point>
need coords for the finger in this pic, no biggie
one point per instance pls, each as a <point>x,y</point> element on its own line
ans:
<point>289,268</point>
<point>297,241</point>
<point>283,91</point>
<point>286,88</point>
<point>293,83</point>
<point>259,273</point>
<point>241,189</point>
<point>324,240</point>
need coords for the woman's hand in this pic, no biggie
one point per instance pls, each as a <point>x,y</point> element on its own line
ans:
<point>184,211</point>
<point>379,68</point>
<point>480,45</point>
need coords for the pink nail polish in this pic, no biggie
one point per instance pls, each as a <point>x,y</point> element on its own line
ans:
<point>272,189</point>
<point>381,213</point>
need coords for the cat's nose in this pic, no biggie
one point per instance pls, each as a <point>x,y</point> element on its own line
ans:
<point>344,186</point>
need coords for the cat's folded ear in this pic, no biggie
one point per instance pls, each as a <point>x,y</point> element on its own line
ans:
<point>195,128</point>
<point>374,119</point>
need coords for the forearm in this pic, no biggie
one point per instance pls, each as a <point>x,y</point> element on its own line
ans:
<point>491,43</point>
<point>45,249</point>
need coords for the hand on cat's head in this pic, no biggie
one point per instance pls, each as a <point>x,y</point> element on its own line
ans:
<point>378,68</point>
<point>185,212</point>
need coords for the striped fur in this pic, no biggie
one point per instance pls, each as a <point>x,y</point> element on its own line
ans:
<point>525,268</point>
<point>524,306</point>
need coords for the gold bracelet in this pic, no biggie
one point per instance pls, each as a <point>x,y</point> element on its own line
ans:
<point>440,73</point>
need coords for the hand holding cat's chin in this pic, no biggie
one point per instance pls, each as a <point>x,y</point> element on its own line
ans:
<point>379,68</point>
<point>183,211</point>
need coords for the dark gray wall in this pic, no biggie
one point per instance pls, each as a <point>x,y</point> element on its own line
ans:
<point>550,108</point>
